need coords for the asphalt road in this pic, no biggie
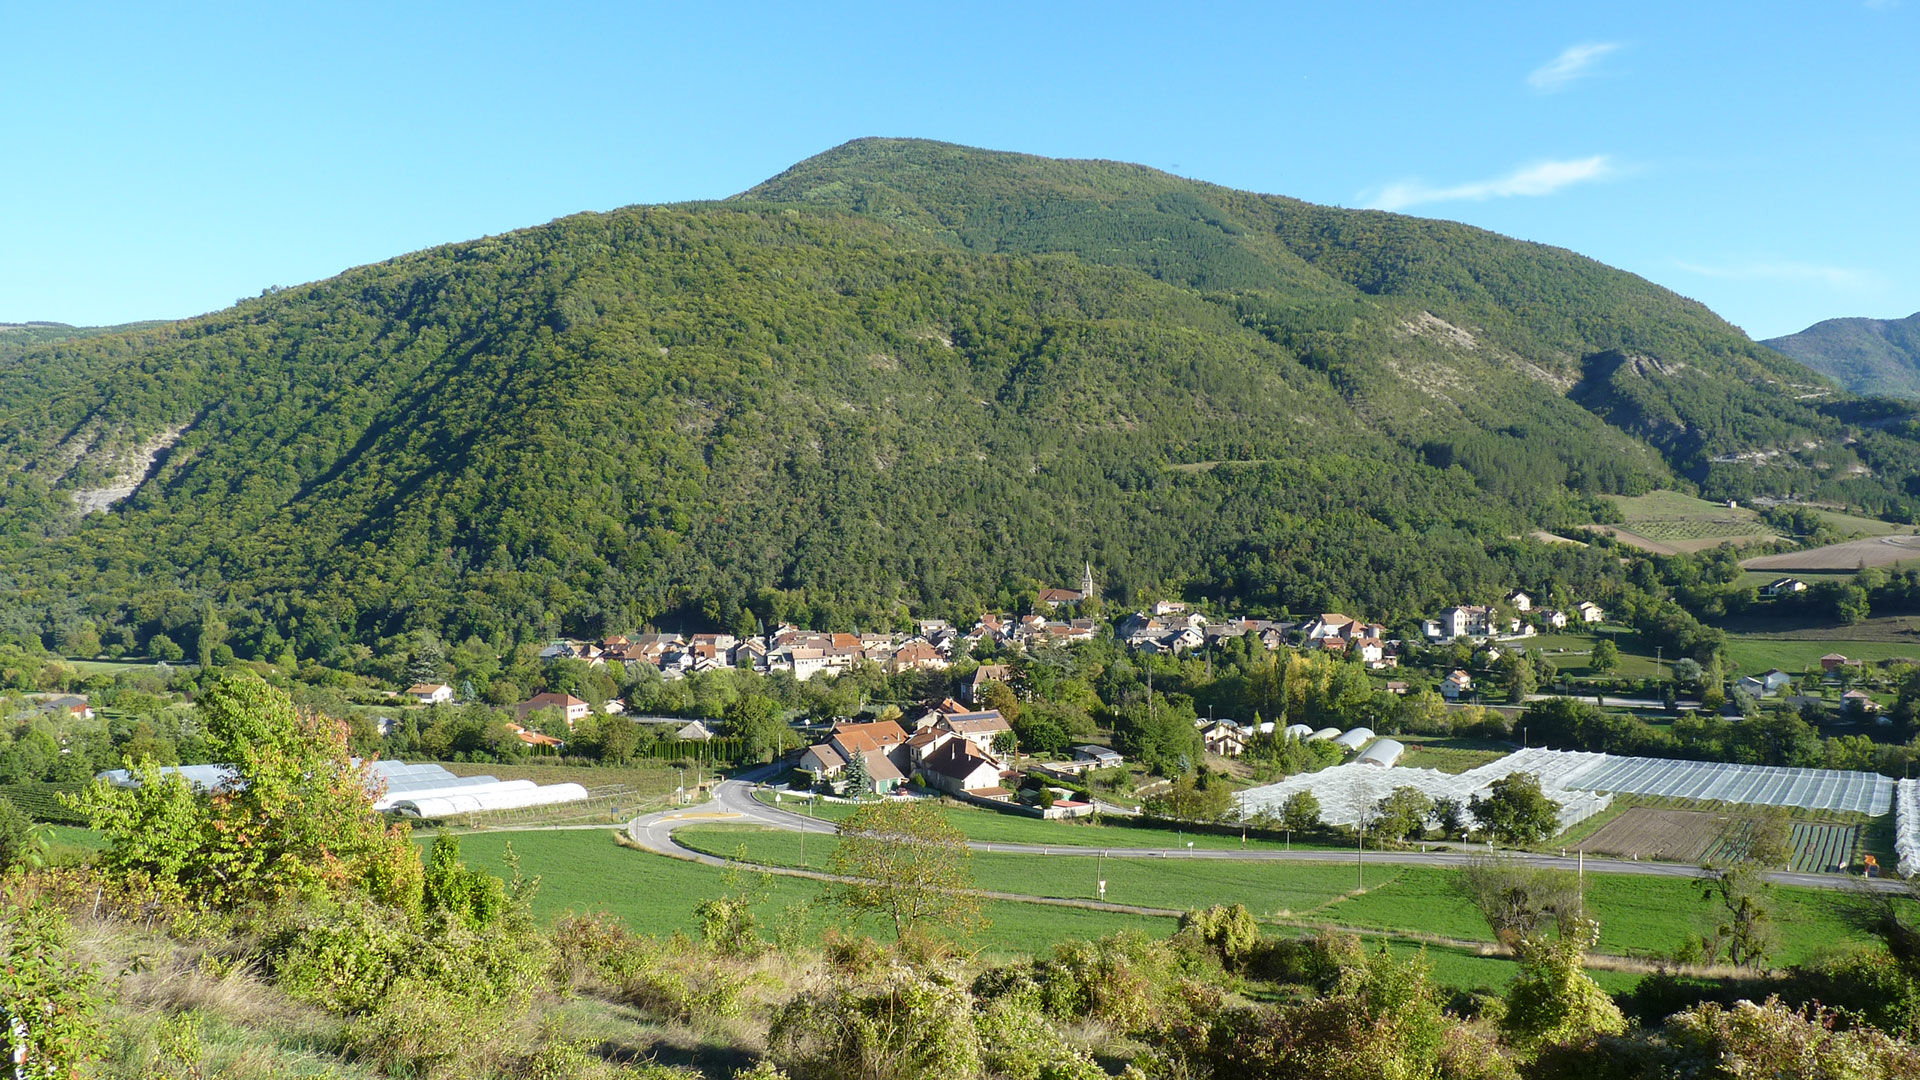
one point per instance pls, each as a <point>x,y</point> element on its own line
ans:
<point>734,802</point>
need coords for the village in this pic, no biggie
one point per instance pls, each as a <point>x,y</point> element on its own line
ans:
<point>964,747</point>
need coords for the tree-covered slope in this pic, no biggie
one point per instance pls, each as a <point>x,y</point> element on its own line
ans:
<point>1337,287</point>
<point>17,338</point>
<point>1867,356</point>
<point>902,377</point>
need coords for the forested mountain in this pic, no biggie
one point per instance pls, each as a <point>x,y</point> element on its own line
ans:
<point>900,377</point>
<point>1867,356</point>
<point>17,338</point>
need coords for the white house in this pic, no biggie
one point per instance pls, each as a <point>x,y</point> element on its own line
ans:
<point>1785,586</point>
<point>430,693</point>
<point>1521,601</point>
<point>1456,685</point>
<point>1589,611</point>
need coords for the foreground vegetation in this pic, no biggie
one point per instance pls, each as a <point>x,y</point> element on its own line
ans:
<point>278,928</point>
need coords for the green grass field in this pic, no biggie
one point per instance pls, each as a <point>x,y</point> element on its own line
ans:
<point>1450,755</point>
<point>1750,654</point>
<point>584,871</point>
<point>993,827</point>
<point>1640,916</point>
<point>1850,526</point>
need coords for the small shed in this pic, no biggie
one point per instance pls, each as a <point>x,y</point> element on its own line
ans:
<point>1383,752</point>
<point>1354,738</point>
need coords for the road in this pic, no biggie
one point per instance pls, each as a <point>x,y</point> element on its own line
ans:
<point>734,802</point>
<point>1614,702</point>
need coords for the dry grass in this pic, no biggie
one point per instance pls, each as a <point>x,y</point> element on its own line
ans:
<point>1843,557</point>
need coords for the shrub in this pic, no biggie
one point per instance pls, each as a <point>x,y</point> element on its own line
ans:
<point>1127,981</point>
<point>49,998</point>
<point>1228,930</point>
<point>906,1024</point>
<point>1553,1001</point>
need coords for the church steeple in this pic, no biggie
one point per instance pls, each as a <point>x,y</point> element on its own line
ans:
<point>1086,584</point>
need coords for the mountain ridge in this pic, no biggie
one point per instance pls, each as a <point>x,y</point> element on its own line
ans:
<point>898,377</point>
<point>1867,356</point>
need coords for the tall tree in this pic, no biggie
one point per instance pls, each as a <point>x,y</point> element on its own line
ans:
<point>297,818</point>
<point>1515,810</point>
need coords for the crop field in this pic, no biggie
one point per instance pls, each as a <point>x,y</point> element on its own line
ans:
<point>1823,848</point>
<point>1680,523</point>
<point>1674,835</point>
<point>1697,836</point>
<point>41,802</point>
<point>1844,556</point>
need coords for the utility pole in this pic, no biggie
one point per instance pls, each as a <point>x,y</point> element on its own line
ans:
<point>1359,864</point>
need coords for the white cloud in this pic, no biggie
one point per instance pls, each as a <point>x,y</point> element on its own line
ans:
<point>1543,178</point>
<point>1837,277</point>
<point>1575,63</point>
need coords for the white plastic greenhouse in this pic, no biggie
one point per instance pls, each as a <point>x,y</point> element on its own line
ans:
<point>421,790</point>
<point>1324,733</point>
<point>1758,785</point>
<point>1354,738</point>
<point>503,796</point>
<point>1298,731</point>
<point>1584,783</point>
<point>1347,793</point>
<point>202,777</point>
<point>1383,753</point>
<point>1906,826</point>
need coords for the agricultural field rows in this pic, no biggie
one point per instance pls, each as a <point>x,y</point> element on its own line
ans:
<point>41,802</point>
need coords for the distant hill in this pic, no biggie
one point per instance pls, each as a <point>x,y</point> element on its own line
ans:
<point>1867,356</point>
<point>901,377</point>
<point>17,338</point>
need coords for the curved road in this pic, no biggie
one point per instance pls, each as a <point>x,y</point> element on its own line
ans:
<point>733,801</point>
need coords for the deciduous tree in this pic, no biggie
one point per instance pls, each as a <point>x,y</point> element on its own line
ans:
<point>1515,811</point>
<point>902,859</point>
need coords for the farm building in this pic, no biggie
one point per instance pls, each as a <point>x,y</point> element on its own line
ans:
<point>1383,753</point>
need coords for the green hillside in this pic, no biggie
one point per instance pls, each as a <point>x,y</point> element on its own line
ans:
<point>1867,356</point>
<point>901,377</point>
<point>17,338</point>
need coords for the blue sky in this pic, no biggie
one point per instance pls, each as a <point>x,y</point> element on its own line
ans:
<point>1762,158</point>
